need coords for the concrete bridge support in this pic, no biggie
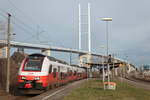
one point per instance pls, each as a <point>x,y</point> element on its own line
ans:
<point>46,52</point>
<point>84,59</point>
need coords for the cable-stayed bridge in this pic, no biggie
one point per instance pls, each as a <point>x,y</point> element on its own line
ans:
<point>15,44</point>
<point>89,56</point>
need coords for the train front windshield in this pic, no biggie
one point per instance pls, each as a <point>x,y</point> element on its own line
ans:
<point>33,64</point>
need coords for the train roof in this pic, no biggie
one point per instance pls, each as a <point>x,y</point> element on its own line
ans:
<point>49,57</point>
<point>75,65</point>
<point>79,66</point>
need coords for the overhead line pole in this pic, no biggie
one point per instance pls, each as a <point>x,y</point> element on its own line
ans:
<point>8,55</point>
<point>70,57</point>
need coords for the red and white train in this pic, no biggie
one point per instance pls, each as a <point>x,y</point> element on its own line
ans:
<point>39,72</point>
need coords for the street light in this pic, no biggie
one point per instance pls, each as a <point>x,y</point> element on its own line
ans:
<point>103,61</point>
<point>107,19</point>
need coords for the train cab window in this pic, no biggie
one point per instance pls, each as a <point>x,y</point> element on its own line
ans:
<point>33,64</point>
<point>50,68</point>
<point>54,72</point>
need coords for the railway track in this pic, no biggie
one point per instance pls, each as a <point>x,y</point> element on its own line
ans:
<point>138,78</point>
<point>136,82</point>
<point>56,93</point>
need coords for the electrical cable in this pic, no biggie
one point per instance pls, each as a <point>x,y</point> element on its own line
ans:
<point>1,13</point>
<point>25,25</point>
<point>20,11</point>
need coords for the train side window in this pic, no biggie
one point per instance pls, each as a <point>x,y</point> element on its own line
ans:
<point>54,72</point>
<point>75,73</point>
<point>58,68</point>
<point>59,76</point>
<point>50,68</point>
<point>62,75</point>
<point>70,72</point>
<point>67,69</point>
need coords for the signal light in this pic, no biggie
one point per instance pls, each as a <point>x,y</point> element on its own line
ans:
<point>37,78</point>
<point>23,78</point>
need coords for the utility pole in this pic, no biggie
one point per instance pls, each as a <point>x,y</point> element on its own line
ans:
<point>8,54</point>
<point>113,66</point>
<point>70,57</point>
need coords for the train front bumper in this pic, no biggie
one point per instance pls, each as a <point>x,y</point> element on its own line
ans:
<point>30,85</point>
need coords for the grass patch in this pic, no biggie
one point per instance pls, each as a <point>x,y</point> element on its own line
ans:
<point>93,90</point>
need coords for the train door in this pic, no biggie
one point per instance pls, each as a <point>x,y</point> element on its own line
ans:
<point>50,73</point>
<point>54,73</point>
<point>50,69</point>
<point>67,71</point>
<point>59,76</point>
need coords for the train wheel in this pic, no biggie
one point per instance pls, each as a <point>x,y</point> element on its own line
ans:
<point>52,86</point>
<point>57,85</point>
<point>16,92</point>
<point>47,88</point>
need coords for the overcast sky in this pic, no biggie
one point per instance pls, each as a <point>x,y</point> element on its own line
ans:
<point>56,22</point>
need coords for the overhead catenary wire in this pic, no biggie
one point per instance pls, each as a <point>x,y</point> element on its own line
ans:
<point>28,29</point>
<point>22,13</point>
<point>3,13</point>
<point>3,24</point>
<point>16,19</point>
<point>22,28</point>
<point>27,26</point>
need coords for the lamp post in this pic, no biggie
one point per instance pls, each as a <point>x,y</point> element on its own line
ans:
<point>103,61</point>
<point>106,19</point>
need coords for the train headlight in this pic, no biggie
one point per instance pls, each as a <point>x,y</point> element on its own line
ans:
<point>23,78</point>
<point>37,78</point>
